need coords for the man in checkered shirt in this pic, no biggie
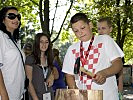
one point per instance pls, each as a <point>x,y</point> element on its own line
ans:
<point>101,58</point>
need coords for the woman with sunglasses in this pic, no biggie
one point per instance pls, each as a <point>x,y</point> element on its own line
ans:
<point>12,74</point>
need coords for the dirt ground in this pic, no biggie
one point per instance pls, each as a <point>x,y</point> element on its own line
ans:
<point>128,93</point>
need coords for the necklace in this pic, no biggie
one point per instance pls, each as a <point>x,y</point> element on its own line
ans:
<point>83,60</point>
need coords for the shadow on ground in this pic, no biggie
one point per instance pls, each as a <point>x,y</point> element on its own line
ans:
<point>128,93</point>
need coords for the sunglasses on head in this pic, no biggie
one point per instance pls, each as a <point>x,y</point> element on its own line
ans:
<point>13,16</point>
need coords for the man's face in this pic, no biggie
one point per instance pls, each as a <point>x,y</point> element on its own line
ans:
<point>103,28</point>
<point>82,30</point>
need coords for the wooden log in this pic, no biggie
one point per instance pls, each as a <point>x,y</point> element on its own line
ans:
<point>76,94</point>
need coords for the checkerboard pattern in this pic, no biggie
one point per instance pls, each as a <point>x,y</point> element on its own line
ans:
<point>92,59</point>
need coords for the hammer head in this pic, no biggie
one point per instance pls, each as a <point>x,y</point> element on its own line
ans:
<point>77,66</point>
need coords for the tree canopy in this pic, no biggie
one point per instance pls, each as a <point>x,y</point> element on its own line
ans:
<point>36,16</point>
<point>120,12</point>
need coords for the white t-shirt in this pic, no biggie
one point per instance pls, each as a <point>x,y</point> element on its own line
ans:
<point>12,67</point>
<point>102,52</point>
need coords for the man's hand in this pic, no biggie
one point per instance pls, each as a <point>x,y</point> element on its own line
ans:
<point>100,77</point>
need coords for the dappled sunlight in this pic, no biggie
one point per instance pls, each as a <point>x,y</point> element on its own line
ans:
<point>128,96</point>
<point>128,93</point>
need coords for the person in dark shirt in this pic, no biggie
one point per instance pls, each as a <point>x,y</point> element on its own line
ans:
<point>40,69</point>
<point>60,82</point>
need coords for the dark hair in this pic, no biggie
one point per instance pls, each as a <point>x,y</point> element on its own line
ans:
<point>37,51</point>
<point>79,16</point>
<point>3,12</point>
<point>107,19</point>
<point>28,46</point>
<point>56,56</point>
<point>55,52</point>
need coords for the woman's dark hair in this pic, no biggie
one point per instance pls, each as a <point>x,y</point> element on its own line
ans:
<point>3,12</point>
<point>79,16</point>
<point>56,56</point>
<point>37,51</point>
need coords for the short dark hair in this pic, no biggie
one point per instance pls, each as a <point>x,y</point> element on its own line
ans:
<point>107,19</point>
<point>79,16</point>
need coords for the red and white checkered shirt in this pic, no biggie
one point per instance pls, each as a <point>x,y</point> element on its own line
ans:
<point>102,52</point>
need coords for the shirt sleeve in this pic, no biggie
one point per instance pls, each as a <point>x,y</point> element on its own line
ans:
<point>120,51</point>
<point>112,50</point>
<point>29,60</point>
<point>68,63</point>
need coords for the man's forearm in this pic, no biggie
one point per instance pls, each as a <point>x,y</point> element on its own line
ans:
<point>71,81</point>
<point>120,81</point>
<point>115,68</point>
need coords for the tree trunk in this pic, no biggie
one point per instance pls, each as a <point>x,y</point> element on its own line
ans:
<point>118,23</point>
<point>46,17</point>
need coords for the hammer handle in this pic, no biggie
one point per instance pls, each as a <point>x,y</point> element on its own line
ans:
<point>87,72</point>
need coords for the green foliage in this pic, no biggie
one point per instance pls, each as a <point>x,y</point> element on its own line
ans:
<point>25,8</point>
<point>128,48</point>
<point>64,36</point>
<point>121,16</point>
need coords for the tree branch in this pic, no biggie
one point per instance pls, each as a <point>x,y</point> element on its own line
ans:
<point>63,22</point>
<point>54,18</point>
<point>40,14</point>
<point>34,2</point>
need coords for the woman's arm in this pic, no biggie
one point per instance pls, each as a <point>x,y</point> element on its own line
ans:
<point>31,87</point>
<point>53,76</point>
<point>55,73</point>
<point>3,91</point>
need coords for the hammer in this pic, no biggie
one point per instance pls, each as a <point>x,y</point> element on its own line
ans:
<point>78,68</point>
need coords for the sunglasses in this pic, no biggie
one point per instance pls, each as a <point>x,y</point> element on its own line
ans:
<point>12,16</point>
